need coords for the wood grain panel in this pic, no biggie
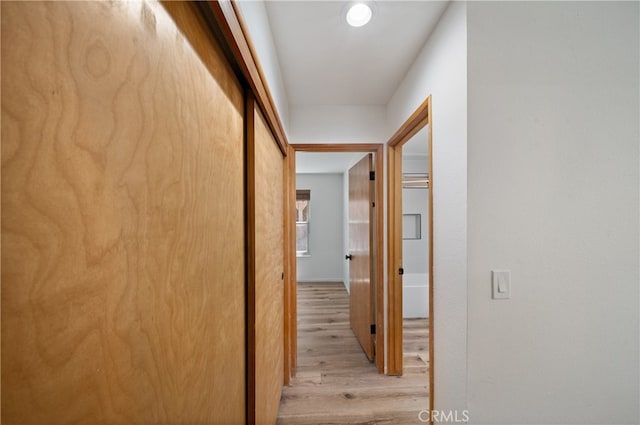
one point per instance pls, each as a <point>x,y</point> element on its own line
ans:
<point>360,236</point>
<point>379,263</point>
<point>266,278</point>
<point>394,252</point>
<point>122,232</point>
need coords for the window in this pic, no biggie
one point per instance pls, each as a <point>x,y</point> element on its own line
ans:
<point>303,198</point>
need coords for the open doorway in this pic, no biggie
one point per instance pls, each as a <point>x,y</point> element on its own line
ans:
<point>416,135</point>
<point>317,185</point>
<point>334,382</point>
<point>322,204</point>
<point>415,253</point>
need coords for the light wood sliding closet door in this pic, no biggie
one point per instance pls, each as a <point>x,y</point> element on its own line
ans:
<point>123,244</point>
<point>265,166</point>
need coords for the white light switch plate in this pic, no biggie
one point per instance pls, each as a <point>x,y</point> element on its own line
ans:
<point>501,284</point>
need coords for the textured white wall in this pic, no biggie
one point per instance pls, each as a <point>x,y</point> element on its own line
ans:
<point>415,252</point>
<point>337,123</point>
<point>255,16</point>
<point>553,196</point>
<point>326,228</point>
<point>440,70</point>
<point>346,269</point>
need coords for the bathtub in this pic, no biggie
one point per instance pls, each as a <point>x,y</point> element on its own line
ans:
<point>415,295</point>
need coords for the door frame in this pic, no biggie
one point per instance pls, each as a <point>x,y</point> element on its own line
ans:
<point>290,268</point>
<point>291,314</point>
<point>421,117</point>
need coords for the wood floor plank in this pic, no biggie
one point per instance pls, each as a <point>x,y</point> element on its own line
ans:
<point>335,383</point>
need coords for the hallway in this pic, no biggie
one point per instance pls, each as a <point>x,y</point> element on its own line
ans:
<point>335,384</point>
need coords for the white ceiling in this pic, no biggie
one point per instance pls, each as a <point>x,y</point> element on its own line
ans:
<point>324,61</point>
<point>325,163</point>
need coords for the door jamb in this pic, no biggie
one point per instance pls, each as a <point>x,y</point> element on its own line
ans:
<point>378,149</point>
<point>290,267</point>
<point>421,116</point>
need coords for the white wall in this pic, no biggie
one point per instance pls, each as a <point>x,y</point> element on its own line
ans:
<point>415,252</point>
<point>553,196</point>
<point>325,229</point>
<point>255,16</point>
<point>337,123</point>
<point>346,269</point>
<point>440,70</point>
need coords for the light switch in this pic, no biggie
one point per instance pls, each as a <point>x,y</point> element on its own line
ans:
<point>501,284</point>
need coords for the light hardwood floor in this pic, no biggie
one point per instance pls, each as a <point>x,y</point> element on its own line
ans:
<point>335,383</point>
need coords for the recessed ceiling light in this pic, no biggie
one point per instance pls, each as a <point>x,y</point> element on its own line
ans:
<point>359,14</point>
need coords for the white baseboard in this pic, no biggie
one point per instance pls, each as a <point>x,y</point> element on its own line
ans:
<point>321,281</point>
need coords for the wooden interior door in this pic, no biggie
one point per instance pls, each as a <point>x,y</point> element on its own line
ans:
<point>360,243</point>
